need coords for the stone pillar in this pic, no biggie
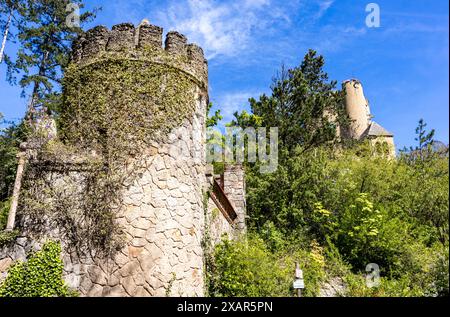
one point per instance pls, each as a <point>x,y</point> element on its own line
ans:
<point>234,188</point>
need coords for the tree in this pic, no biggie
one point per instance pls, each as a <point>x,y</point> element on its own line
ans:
<point>9,9</point>
<point>304,105</point>
<point>10,138</point>
<point>423,137</point>
<point>424,150</point>
<point>212,120</point>
<point>45,42</point>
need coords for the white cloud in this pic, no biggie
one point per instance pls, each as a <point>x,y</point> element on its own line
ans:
<point>323,8</point>
<point>220,28</point>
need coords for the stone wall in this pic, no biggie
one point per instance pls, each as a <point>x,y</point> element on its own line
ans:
<point>142,43</point>
<point>219,226</point>
<point>164,220</point>
<point>234,188</point>
<point>162,213</point>
<point>162,217</point>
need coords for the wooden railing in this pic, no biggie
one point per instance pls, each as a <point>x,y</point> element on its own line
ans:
<point>222,202</point>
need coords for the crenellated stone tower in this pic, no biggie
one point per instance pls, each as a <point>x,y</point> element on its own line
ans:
<point>137,109</point>
<point>162,213</point>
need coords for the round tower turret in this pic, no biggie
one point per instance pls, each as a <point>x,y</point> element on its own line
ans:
<point>357,108</point>
<point>142,108</point>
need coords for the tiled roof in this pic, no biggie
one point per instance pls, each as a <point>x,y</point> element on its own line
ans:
<point>377,130</point>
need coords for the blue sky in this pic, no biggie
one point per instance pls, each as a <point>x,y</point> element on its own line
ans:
<point>403,64</point>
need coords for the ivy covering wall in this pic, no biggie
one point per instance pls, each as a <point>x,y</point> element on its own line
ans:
<point>39,276</point>
<point>114,109</point>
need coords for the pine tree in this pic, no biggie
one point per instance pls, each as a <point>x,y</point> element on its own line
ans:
<point>45,40</point>
<point>301,102</point>
<point>424,138</point>
<point>424,148</point>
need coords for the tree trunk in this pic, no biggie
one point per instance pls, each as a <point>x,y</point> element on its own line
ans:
<point>15,197</point>
<point>5,36</point>
<point>34,95</point>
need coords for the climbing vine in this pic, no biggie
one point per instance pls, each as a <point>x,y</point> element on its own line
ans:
<point>39,276</point>
<point>114,109</point>
<point>208,252</point>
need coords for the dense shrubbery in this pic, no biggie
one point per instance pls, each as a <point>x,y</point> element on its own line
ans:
<point>4,209</point>
<point>356,206</point>
<point>249,268</point>
<point>39,276</point>
<point>10,138</point>
<point>361,209</point>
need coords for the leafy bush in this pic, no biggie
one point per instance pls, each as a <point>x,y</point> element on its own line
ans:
<point>8,236</point>
<point>10,138</point>
<point>370,209</point>
<point>249,268</point>
<point>4,210</point>
<point>39,276</point>
<point>440,273</point>
<point>402,287</point>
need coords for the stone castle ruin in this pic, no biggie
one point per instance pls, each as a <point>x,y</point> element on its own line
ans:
<point>125,187</point>
<point>124,184</point>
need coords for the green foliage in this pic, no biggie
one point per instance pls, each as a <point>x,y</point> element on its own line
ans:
<point>360,206</point>
<point>212,121</point>
<point>7,236</point>
<point>303,103</point>
<point>116,105</point>
<point>424,150</point>
<point>245,119</point>
<point>249,268</point>
<point>39,276</point>
<point>44,47</point>
<point>423,138</point>
<point>274,239</point>
<point>440,273</point>
<point>401,287</point>
<point>10,138</point>
<point>362,209</point>
<point>4,210</point>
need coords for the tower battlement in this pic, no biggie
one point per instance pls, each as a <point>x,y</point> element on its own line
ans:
<point>144,42</point>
